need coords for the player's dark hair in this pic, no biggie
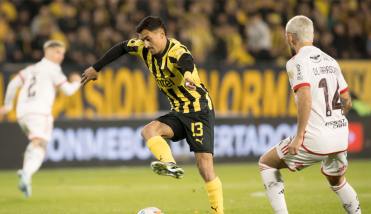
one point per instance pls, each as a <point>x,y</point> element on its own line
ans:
<point>150,23</point>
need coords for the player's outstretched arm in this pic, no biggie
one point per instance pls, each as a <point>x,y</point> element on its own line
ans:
<point>346,101</point>
<point>69,88</point>
<point>10,94</point>
<point>112,54</point>
<point>304,107</point>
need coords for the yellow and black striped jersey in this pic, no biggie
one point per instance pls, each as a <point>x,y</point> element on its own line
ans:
<point>168,69</point>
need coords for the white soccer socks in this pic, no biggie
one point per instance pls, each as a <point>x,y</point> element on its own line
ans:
<point>348,197</point>
<point>274,188</point>
<point>33,158</point>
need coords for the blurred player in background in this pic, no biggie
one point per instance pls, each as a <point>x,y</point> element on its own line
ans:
<point>192,114</point>
<point>322,99</point>
<point>38,83</point>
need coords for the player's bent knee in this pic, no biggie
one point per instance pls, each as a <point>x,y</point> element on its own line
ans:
<point>263,160</point>
<point>335,180</point>
<point>150,130</point>
<point>39,142</point>
<point>271,159</point>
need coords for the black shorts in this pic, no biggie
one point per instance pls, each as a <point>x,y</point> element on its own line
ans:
<point>196,127</point>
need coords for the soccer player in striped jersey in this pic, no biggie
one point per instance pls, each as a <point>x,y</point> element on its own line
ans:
<point>191,116</point>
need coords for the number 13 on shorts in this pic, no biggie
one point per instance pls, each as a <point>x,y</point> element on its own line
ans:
<point>197,129</point>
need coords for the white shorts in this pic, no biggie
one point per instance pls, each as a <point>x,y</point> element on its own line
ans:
<point>331,165</point>
<point>37,126</point>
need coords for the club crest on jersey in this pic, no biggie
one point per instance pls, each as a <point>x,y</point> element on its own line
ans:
<point>315,58</point>
<point>165,83</point>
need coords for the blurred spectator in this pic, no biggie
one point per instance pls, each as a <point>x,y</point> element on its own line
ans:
<point>369,44</point>
<point>43,20</point>
<point>2,53</point>
<point>8,9</point>
<point>23,19</point>
<point>326,42</point>
<point>259,40</point>
<point>25,43</point>
<point>225,31</point>
<point>13,52</point>
<point>4,27</point>
<point>341,41</point>
<point>197,31</point>
<point>67,21</point>
<point>279,49</point>
<point>230,41</point>
<point>57,8</point>
<point>357,39</point>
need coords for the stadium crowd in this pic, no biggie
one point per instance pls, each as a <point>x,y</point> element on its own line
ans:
<point>237,32</point>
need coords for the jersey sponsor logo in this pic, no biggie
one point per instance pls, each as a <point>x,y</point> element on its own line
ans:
<point>165,83</point>
<point>336,123</point>
<point>324,70</point>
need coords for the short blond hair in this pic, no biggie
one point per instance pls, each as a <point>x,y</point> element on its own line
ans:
<point>53,44</point>
<point>302,27</point>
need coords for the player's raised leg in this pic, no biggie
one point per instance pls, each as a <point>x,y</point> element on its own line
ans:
<point>33,159</point>
<point>154,134</point>
<point>334,168</point>
<point>213,184</point>
<point>270,165</point>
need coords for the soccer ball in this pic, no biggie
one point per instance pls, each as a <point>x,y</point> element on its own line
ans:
<point>150,210</point>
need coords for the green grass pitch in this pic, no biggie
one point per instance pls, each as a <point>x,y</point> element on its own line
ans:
<point>128,189</point>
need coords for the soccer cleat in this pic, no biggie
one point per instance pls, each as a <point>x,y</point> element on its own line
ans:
<point>168,169</point>
<point>24,185</point>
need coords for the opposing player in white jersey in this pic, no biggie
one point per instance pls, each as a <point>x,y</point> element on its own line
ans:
<point>38,83</point>
<point>322,99</point>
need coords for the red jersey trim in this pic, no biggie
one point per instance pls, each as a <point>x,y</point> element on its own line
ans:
<point>315,153</point>
<point>296,87</point>
<point>344,90</point>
